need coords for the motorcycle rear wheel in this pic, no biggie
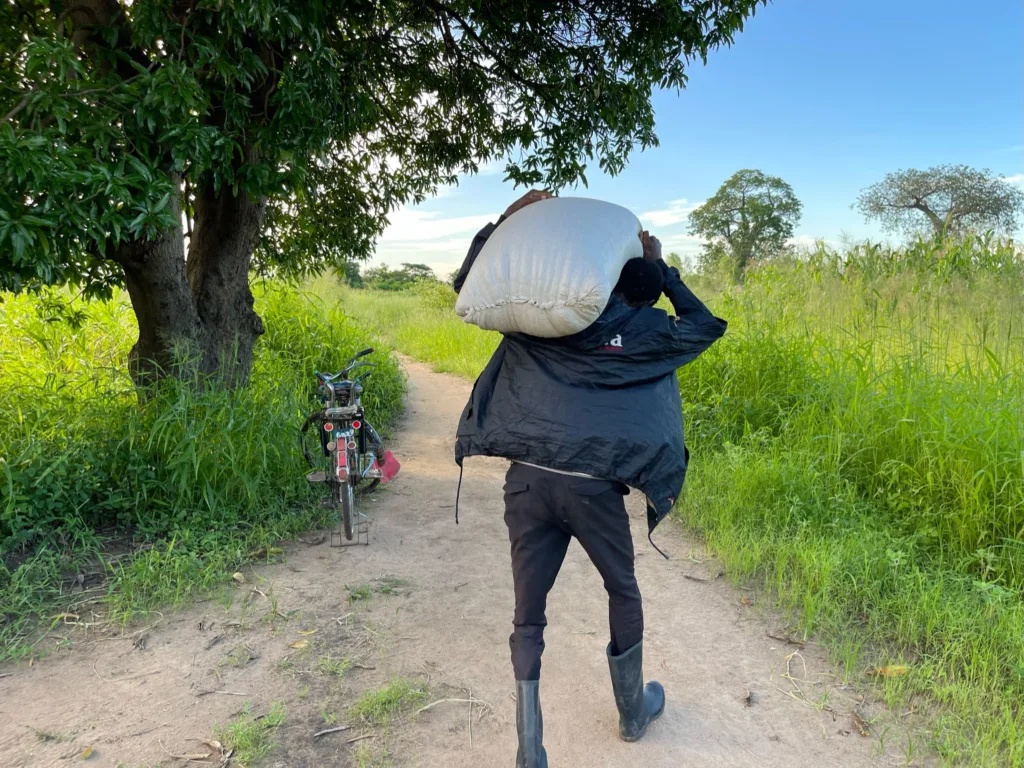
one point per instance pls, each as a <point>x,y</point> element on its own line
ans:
<point>347,502</point>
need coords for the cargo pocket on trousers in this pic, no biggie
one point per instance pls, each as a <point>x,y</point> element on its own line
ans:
<point>516,503</point>
<point>514,488</point>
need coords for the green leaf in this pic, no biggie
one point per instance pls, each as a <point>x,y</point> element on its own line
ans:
<point>162,203</point>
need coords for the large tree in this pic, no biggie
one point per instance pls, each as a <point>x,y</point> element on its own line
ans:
<point>944,200</point>
<point>752,215</point>
<point>274,137</point>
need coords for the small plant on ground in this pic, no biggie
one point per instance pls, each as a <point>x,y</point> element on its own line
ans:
<point>252,738</point>
<point>50,736</point>
<point>365,757</point>
<point>329,665</point>
<point>390,585</point>
<point>329,718</point>
<point>356,594</point>
<point>379,706</point>
<point>238,656</point>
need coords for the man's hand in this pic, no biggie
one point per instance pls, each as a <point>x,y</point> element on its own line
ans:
<point>530,197</point>
<point>652,246</point>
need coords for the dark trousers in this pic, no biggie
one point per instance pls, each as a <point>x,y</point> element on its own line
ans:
<point>543,510</point>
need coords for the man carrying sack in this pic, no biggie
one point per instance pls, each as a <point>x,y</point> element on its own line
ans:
<point>583,418</point>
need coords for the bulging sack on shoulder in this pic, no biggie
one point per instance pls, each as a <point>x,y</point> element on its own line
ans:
<point>550,268</point>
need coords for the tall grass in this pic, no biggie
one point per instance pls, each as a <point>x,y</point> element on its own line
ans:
<point>184,484</point>
<point>398,316</point>
<point>858,449</point>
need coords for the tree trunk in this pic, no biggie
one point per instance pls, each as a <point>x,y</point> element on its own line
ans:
<point>742,255</point>
<point>937,224</point>
<point>196,317</point>
<point>227,228</point>
<point>170,330</point>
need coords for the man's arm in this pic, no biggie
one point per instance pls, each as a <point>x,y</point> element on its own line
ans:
<point>683,301</point>
<point>672,342</point>
<point>481,237</point>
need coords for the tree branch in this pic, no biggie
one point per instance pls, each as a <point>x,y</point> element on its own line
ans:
<point>467,28</point>
<point>22,103</point>
<point>921,206</point>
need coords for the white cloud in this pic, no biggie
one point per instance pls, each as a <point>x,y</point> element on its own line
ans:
<point>682,244</point>
<point>1017,178</point>
<point>445,190</point>
<point>492,167</point>
<point>676,212</point>
<point>410,225</point>
<point>808,242</point>
<point>426,236</point>
<point>449,245</point>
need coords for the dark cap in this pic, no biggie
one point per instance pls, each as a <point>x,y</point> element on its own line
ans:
<point>640,282</point>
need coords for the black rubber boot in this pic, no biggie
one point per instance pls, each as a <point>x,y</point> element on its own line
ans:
<point>529,726</point>
<point>639,705</point>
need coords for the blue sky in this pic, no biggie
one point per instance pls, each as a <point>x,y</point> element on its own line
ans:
<point>828,94</point>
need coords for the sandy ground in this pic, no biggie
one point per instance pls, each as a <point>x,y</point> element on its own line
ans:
<point>439,612</point>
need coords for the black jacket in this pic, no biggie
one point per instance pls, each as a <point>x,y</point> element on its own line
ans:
<point>604,401</point>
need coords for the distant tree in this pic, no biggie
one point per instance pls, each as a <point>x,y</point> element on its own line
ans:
<point>351,274</point>
<point>945,200</point>
<point>419,271</point>
<point>715,260</point>
<point>752,215</point>
<point>383,278</point>
<point>673,260</point>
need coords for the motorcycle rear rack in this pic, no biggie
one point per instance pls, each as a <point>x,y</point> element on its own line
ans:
<point>320,476</point>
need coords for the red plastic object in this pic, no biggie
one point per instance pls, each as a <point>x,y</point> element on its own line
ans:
<point>389,468</point>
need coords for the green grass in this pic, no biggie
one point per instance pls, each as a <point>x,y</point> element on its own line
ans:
<point>331,666</point>
<point>365,757</point>
<point>857,444</point>
<point>391,585</point>
<point>164,495</point>
<point>397,316</point>
<point>239,656</point>
<point>379,706</point>
<point>250,738</point>
<point>358,594</point>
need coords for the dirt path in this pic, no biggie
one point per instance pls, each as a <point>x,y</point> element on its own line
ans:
<point>438,610</point>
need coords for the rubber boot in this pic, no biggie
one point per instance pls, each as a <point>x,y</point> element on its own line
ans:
<point>529,726</point>
<point>639,705</point>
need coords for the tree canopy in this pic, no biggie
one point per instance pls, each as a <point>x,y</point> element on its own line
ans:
<point>752,215</point>
<point>277,136</point>
<point>944,200</point>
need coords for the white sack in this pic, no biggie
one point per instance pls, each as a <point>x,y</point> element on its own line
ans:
<point>550,268</point>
